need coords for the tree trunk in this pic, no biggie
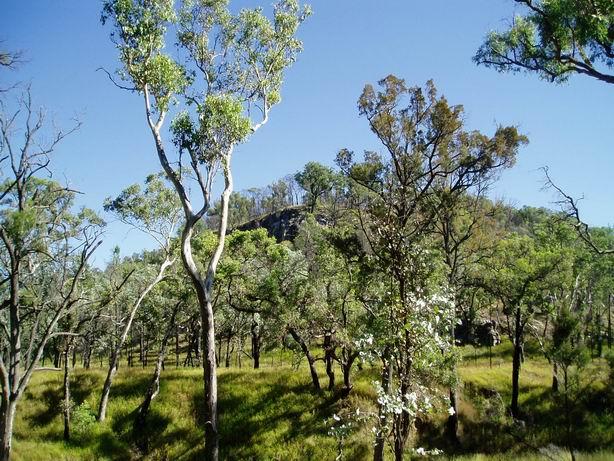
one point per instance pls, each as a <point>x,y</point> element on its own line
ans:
<point>210,382</point>
<point>402,421</point>
<point>380,436</point>
<point>348,360</point>
<point>177,346</point>
<point>153,389</point>
<point>555,378</point>
<point>145,352</point>
<point>188,355</point>
<point>66,387</point>
<point>106,389</point>
<point>310,360</point>
<point>87,353</point>
<point>399,448</point>
<point>255,331</point>
<point>228,352</point>
<point>516,362</point>
<point>609,321</point>
<point>452,423</point>
<point>328,359</point>
<point>197,343</point>
<point>57,356</point>
<point>7,413</point>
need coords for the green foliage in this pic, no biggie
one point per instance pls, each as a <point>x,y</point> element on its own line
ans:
<point>154,209</point>
<point>317,180</point>
<point>140,27</point>
<point>222,126</point>
<point>555,39</point>
<point>521,272</point>
<point>82,419</point>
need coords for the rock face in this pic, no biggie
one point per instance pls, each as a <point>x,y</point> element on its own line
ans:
<point>486,333</point>
<point>482,333</point>
<point>282,225</point>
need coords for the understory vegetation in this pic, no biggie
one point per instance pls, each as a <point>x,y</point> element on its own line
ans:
<point>272,413</point>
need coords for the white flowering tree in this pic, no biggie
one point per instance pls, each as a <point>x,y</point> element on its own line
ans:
<point>428,154</point>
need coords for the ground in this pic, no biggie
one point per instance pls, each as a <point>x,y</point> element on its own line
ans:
<point>273,414</point>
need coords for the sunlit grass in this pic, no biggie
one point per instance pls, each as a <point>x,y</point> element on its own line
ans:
<point>274,414</point>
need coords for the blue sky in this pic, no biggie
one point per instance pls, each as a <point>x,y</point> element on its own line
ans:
<point>347,44</point>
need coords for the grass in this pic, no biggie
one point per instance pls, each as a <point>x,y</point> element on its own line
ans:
<point>270,413</point>
<point>273,414</point>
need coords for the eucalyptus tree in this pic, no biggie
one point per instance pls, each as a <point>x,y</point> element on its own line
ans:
<point>428,152</point>
<point>232,79</point>
<point>155,211</point>
<point>337,318</point>
<point>521,275</point>
<point>252,273</point>
<point>463,226</point>
<point>464,229</point>
<point>81,319</point>
<point>171,297</point>
<point>316,180</point>
<point>571,356</point>
<point>555,39</point>
<point>44,252</point>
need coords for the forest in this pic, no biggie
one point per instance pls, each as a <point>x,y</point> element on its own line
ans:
<point>380,304</point>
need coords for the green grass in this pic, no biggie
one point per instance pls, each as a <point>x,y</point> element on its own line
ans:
<point>270,413</point>
<point>273,414</point>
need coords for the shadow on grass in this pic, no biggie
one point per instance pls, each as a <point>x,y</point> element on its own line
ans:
<point>81,387</point>
<point>133,388</point>
<point>543,422</point>
<point>269,413</point>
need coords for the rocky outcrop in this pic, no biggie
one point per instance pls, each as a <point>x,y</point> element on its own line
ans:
<point>282,225</point>
<point>487,334</point>
<point>482,333</point>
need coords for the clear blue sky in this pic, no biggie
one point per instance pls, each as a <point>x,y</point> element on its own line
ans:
<point>347,44</point>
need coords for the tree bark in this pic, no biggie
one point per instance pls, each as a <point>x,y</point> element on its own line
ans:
<point>609,321</point>
<point>114,362</point>
<point>255,332</point>
<point>380,437</point>
<point>153,389</point>
<point>452,423</point>
<point>7,415</point>
<point>516,362</point>
<point>310,360</point>
<point>87,354</point>
<point>346,365</point>
<point>328,359</point>
<point>177,346</point>
<point>66,387</point>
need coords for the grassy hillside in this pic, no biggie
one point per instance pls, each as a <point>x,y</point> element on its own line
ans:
<point>273,414</point>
